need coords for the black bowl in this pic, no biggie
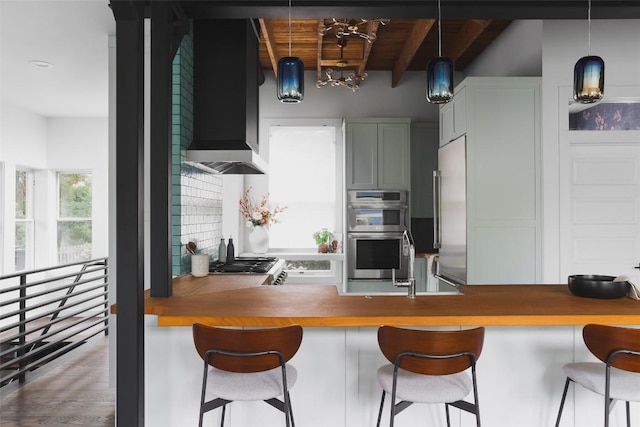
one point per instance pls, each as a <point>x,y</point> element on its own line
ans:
<point>597,286</point>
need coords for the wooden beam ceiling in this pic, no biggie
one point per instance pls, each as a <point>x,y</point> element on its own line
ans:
<point>469,32</point>
<point>418,33</point>
<point>269,41</point>
<point>400,45</point>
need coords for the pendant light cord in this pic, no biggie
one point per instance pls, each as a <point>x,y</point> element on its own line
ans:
<point>589,26</point>
<point>290,27</point>
<point>440,31</point>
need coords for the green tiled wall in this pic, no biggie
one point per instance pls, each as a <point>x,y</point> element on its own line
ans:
<point>196,192</point>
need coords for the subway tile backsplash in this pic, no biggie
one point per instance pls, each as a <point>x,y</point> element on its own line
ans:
<point>196,191</point>
<point>200,212</point>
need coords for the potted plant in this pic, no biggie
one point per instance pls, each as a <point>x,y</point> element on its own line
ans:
<point>323,238</point>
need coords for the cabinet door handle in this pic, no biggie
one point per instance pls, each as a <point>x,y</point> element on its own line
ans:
<point>637,266</point>
<point>437,237</point>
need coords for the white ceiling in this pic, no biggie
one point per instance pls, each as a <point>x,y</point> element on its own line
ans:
<point>73,36</point>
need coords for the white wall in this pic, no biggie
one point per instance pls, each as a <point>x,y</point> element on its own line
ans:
<point>376,98</point>
<point>516,52</point>
<point>564,42</point>
<point>23,144</point>
<point>46,145</point>
<point>23,138</point>
<point>82,144</point>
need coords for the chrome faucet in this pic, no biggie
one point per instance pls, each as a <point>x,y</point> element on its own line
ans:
<point>410,283</point>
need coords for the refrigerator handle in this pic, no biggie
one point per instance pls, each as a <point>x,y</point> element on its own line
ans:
<point>437,235</point>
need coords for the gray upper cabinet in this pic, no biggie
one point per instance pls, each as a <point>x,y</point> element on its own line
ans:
<point>453,117</point>
<point>377,154</point>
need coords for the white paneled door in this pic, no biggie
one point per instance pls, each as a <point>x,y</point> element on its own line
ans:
<point>600,227</point>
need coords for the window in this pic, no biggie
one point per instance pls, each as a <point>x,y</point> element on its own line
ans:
<point>24,221</point>
<point>74,216</point>
<point>303,176</point>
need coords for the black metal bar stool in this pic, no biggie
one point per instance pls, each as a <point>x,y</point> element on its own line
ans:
<point>247,365</point>
<point>429,367</point>
<point>618,378</point>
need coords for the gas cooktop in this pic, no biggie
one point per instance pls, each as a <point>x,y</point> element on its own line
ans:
<point>244,265</point>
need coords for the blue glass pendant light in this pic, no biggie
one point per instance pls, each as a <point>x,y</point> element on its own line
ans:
<point>440,80</point>
<point>290,79</point>
<point>290,75</point>
<point>440,74</point>
<point>588,75</point>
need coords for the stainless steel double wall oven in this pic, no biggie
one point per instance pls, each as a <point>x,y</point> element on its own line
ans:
<point>375,222</point>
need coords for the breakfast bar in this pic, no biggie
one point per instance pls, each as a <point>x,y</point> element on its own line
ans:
<point>532,330</point>
<point>235,300</point>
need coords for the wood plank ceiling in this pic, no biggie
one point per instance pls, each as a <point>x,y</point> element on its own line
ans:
<point>400,44</point>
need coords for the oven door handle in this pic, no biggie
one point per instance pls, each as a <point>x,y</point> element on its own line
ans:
<point>380,235</point>
<point>377,205</point>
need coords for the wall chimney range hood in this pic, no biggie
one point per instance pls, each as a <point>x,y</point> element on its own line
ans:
<point>226,77</point>
<point>230,162</point>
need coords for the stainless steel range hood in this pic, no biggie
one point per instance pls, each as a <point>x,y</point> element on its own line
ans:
<point>226,79</point>
<point>230,162</point>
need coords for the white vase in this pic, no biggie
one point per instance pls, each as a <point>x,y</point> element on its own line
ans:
<point>259,240</point>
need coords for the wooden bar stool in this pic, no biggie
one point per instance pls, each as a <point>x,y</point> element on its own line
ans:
<point>247,365</point>
<point>429,367</point>
<point>618,378</point>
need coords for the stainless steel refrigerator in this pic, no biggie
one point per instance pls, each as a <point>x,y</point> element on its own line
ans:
<point>450,211</point>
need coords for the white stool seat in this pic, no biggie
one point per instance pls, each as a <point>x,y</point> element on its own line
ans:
<point>617,347</point>
<point>425,388</point>
<point>248,386</point>
<point>625,385</point>
<point>247,365</point>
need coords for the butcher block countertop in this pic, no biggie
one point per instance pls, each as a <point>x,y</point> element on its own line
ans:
<point>243,300</point>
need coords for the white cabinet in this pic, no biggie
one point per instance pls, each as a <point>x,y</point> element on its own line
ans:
<point>453,117</point>
<point>377,154</point>
<point>502,128</point>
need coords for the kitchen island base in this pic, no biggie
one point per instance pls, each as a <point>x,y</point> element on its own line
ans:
<point>520,381</point>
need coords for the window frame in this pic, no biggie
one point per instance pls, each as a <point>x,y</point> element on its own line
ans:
<point>29,219</point>
<point>335,274</point>
<point>60,219</point>
<point>337,124</point>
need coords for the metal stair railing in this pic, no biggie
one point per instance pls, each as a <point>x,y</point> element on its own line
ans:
<point>28,306</point>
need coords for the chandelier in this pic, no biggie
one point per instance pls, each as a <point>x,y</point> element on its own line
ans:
<point>346,27</point>
<point>351,81</point>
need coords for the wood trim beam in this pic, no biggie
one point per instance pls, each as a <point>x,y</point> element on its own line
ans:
<point>352,64</point>
<point>469,32</point>
<point>418,33</point>
<point>372,28</point>
<point>269,40</point>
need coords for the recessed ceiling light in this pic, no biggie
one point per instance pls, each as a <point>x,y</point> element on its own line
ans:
<point>40,64</point>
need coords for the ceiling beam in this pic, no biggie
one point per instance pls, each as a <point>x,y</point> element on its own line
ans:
<point>351,63</point>
<point>372,28</point>
<point>416,9</point>
<point>419,31</point>
<point>272,49</point>
<point>469,32</point>
<point>319,58</point>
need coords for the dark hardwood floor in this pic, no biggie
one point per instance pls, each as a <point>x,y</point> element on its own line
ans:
<point>75,393</point>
